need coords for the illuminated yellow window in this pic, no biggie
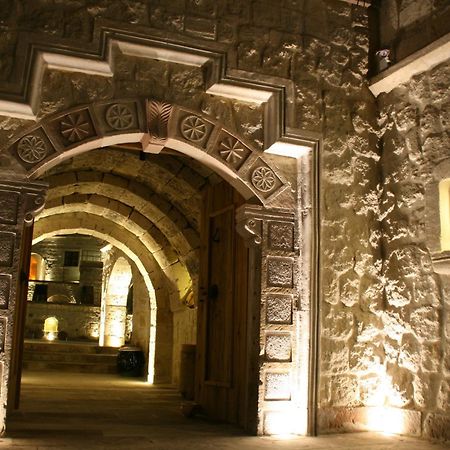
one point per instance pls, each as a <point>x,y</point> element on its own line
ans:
<point>444,210</point>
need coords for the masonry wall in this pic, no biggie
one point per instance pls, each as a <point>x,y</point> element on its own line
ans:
<point>407,26</point>
<point>414,125</point>
<point>322,47</point>
<point>78,321</point>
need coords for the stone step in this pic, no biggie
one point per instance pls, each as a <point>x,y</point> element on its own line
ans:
<point>67,347</point>
<point>32,355</point>
<point>69,367</point>
<point>81,357</point>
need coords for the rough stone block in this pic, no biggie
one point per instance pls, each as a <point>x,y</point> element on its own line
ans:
<point>6,248</point>
<point>344,390</point>
<point>279,309</point>
<point>9,203</point>
<point>436,426</point>
<point>280,272</point>
<point>278,347</point>
<point>277,386</point>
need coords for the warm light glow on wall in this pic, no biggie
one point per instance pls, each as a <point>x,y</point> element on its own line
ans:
<point>51,328</point>
<point>444,211</point>
<point>282,423</point>
<point>386,420</point>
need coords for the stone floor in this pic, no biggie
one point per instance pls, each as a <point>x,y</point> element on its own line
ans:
<point>92,412</point>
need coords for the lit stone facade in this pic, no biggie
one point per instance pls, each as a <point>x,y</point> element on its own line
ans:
<point>347,230</point>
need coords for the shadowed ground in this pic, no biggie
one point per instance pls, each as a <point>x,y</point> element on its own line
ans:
<point>62,411</point>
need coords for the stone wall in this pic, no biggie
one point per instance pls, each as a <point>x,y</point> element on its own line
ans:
<point>414,125</point>
<point>321,47</point>
<point>78,321</point>
<point>371,331</point>
<point>408,25</point>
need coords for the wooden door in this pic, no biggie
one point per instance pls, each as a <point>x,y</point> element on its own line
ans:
<point>222,314</point>
<point>15,374</point>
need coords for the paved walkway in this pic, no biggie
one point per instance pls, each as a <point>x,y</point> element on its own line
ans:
<point>92,412</point>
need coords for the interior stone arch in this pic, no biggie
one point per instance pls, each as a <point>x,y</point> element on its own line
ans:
<point>155,125</point>
<point>163,299</point>
<point>164,218</point>
<point>265,185</point>
<point>156,244</point>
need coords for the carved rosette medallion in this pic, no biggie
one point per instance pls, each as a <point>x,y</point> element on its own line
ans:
<point>193,128</point>
<point>263,179</point>
<point>231,150</point>
<point>119,117</point>
<point>32,149</point>
<point>74,127</point>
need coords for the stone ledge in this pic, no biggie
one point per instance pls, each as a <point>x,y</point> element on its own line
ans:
<point>420,61</point>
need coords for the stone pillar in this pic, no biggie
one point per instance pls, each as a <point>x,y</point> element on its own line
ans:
<point>19,203</point>
<point>274,232</point>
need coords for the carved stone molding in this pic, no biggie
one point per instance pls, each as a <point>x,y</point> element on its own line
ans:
<point>273,94</point>
<point>249,223</point>
<point>158,116</point>
<point>152,124</point>
<point>33,201</point>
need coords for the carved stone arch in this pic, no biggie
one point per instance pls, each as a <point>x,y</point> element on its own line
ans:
<point>274,220</point>
<point>153,278</point>
<point>155,125</point>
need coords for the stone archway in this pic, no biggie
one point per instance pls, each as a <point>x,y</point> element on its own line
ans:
<point>269,222</point>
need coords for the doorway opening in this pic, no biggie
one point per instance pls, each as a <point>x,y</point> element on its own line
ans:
<point>199,266</point>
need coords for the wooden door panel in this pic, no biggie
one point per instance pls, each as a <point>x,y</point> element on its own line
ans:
<point>219,299</point>
<point>222,313</point>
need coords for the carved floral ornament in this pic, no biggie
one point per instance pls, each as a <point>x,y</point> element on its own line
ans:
<point>32,149</point>
<point>193,128</point>
<point>263,179</point>
<point>74,127</point>
<point>158,115</point>
<point>119,117</point>
<point>231,150</point>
